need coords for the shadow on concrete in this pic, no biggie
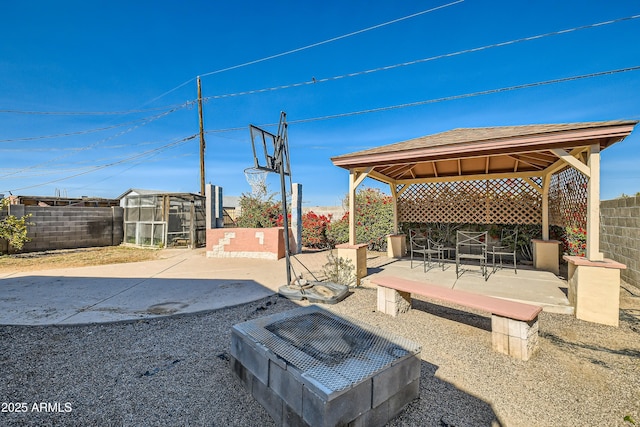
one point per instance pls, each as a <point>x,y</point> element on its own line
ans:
<point>47,300</point>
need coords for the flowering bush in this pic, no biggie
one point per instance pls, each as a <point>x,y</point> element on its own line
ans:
<point>374,220</point>
<point>314,230</point>
<point>574,241</point>
<point>258,212</point>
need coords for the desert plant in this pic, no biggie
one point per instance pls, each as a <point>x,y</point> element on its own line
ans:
<point>339,270</point>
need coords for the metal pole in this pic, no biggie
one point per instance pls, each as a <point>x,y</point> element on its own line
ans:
<point>285,220</point>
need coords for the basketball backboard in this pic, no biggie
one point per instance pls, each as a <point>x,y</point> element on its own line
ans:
<point>271,152</point>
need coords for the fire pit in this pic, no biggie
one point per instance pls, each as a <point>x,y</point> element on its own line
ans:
<point>309,366</point>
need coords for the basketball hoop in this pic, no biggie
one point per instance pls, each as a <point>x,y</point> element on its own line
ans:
<point>257,179</point>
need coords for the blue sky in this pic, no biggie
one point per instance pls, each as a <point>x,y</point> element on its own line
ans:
<point>143,57</point>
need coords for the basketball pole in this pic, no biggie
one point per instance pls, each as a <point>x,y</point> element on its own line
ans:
<point>202,144</point>
<point>283,190</point>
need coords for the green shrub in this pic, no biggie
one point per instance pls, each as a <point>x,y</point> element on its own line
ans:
<point>374,220</point>
<point>13,229</point>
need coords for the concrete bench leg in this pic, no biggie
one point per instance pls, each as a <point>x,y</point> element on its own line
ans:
<point>516,338</point>
<point>393,302</point>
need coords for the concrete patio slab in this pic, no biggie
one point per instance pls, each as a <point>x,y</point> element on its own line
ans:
<point>529,286</point>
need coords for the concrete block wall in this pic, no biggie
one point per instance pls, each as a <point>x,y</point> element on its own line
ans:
<point>69,227</point>
<point>620,235</point>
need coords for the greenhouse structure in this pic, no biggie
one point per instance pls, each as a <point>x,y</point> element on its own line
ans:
<point>156,219</point>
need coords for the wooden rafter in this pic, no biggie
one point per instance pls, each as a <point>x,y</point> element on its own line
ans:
<point>534,164</point>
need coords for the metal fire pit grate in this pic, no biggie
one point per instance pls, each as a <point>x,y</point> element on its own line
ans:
<point>334,351</point>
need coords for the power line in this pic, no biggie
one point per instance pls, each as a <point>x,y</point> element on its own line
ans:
<point>97,113</point>
<point>87,131</point>
<point>418,61</point>
<point>104,166</point>
<point>331,40</point>
<point>289,52</point>
<point>149,120</point>
<point>443,99</point>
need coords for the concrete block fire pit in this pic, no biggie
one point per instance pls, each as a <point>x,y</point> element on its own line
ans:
<point>310,367</point>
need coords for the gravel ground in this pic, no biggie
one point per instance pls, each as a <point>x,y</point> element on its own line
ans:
<point>175,371</point>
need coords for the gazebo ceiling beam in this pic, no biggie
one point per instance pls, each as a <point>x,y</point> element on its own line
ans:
<point>539,156</point>
<point>570,159</point>
<point>382,178</point>
<point>560,164</point>
<point>533,185</point>
<point>536,164</point>
<point>395,168</point>
<point>474,177</point>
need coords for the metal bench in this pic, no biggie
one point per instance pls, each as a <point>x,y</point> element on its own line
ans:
<point>514,325</point>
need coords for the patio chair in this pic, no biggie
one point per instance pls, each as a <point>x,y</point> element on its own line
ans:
<point>422,245</point>
<point>445,247</point>
<point>472,245</point>
<point>506,248</point>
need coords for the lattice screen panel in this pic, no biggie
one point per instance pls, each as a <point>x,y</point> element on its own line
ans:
<point>568,199</point>
<point>504,201</point>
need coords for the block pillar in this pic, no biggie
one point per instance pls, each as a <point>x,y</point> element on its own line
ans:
<point>517,338</point>
<point>594,289</point>
<point>393,302</point>
<point>214,206</point>
<point>396,245</point>
<point>358,256</point>
<point>546,255</point>
<point>296,218</point>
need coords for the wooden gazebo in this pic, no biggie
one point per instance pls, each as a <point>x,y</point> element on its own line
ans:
<point>545,174</point>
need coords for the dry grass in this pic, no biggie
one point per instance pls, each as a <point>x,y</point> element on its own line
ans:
<point>75,258</point>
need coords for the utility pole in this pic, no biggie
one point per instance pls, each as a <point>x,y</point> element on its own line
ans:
<point>202,144</point>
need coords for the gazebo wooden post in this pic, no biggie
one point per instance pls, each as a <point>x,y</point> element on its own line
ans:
<point>546,253</point>
<point>546,183</point>
<point>357,253</point>
<point>353,175</point>
<point>396,242</point>
<point>593,205</point>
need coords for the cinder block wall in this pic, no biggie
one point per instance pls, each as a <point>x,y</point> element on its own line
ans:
<point>68,227</point>
<point>620,235</point>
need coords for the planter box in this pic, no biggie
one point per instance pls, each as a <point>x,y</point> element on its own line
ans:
<point>264,243</point>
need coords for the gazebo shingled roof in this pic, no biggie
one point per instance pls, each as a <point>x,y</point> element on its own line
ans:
<point>462,152</point>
